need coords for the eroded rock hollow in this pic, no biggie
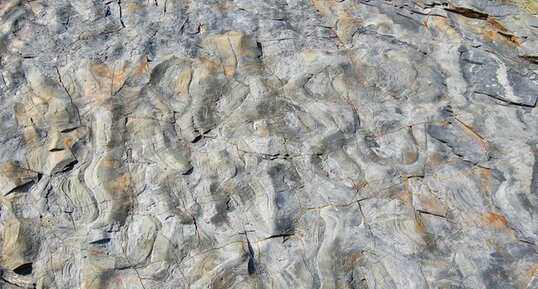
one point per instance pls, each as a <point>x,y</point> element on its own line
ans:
<point>268,144</point>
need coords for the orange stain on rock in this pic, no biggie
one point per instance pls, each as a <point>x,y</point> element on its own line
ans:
<point>111,163</point>
<point>485,180</point>
<point>405,197</point>
<point>121,183</point>
<point>533,271</point>
<point>490,35</point>
<point>68,142</point>
<point>496,220</point>
<point>118,77</point>
<point>493,244</point>
<point>100,69</point>
<point>208,64</point>
<point>229,71</point>
<point>321,6</point>
<point>131,7</point>
<point>496,24</point>
<point>484,172</point>
<point>352,259</point>
<point>420,225</point>
<point>501,36</point>
<point>143,68</point>
<point>514,40</point>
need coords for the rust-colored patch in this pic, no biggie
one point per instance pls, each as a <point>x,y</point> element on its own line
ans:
<point>183,81</point>
<point>405,198</point>
<point>118,77</point>
<point>533,271</point>
<point>409,157</point>
<point>321,6</point>
<point>442,26</point>
<point>100,69</point>
<point>434,159</point>
<point>229,71</point>
<point>15,197</point>
<point>425,23</point>
<point>491,243</point>
<point>121,183</point>
<point>208,64</point>
<point>514,40</point>
<point>226,6</point>
<point>484,172</point>
<point>490,34</point>
<point>131,7</point>
<point>68,142</point>
<point>352,259</point>
<point>485,178</point>
<point>501,36</point>
<point>496,24</point>
<point>310,55</point>
<point>39,100</point>
<point>420,225</point>
<point>347,26</point>
<point>493,219</point>
<point>431,204</point>
<point>445,123</point>
<point>143,68</point>
<point>110,163</point>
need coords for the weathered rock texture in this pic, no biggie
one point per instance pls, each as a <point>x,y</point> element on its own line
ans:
<point>359,144</point>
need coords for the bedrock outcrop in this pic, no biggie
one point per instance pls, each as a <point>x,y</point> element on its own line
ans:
<point>268,144</point>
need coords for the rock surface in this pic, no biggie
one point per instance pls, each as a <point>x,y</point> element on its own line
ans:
<point>268,144</point>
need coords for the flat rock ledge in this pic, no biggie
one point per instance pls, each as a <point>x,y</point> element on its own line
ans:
<point>175,144</point>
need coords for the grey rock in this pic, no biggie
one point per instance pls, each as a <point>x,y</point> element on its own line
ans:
<point>268,144</point>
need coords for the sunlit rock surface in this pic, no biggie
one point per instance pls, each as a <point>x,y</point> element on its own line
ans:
<point>268,144</point>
